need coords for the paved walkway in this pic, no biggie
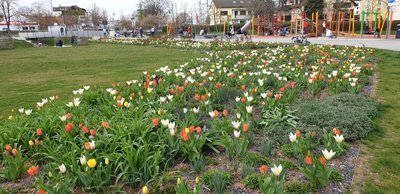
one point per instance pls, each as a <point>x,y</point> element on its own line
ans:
<point>389,44</point>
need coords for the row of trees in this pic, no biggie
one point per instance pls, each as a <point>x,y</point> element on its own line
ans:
<point>95,16</point>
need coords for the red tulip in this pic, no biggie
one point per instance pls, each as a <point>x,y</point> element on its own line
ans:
<point>39,132</point>
<point>93,132</point>
<point>154,121</point>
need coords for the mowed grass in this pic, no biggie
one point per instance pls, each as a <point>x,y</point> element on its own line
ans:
<point>381,149</point>
<point>29,74</point>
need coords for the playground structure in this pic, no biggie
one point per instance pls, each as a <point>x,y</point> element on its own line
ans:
<point>297,22</point>
<point>341,23</point>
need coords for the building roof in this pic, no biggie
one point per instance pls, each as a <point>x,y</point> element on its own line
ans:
<point>231,3</point>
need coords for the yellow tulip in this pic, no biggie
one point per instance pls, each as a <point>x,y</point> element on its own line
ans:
<point>145,190</point>
<point>91,163</point>
<point>106,161</point>
<point>178,182</point>
<point>30,142</point>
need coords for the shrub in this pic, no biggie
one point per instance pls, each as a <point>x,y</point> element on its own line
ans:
<point>277,134</point>
<point>336,176</point>
<point>251,181</point>
<point>296,186</point>
<point>217,180</point>
<point>353,114</point>
<point>255,158</point>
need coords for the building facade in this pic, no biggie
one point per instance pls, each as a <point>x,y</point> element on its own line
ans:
<point>233,11</point>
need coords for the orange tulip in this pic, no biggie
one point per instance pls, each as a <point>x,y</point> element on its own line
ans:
<point>68,128</point>
<point>308,160</point>
<point>336,131</point>
<point>14,152</point>
<point>322,160</point>
<point>105,124</point>
<point>37,141</point>
<point>216,113</point>
<point>243,87</point>
<point>298,133</point>
<point>42,192</point>
<point>87,146</point>
<point>245,127</point>
<point>8,147</point>
<point>33,170</point>
<point>218,85</point>
<point>225,113</point>
<point>263,169</point>
<point>197,97</point>
<point>184,135</point>
<point>203,97</point>
<point>198,130</point>
<point>191,129</point>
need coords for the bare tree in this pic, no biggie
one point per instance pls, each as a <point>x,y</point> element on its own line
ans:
<point>7,10</point>
<point>104,17</point>
<point>262,7</point>
<point>150,21</point>
<point>124,23</point>
<point>37,13</point>
<point>95,14</point>
<point>154,7</point>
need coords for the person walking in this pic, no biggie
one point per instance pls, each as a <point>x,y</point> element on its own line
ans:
<point>189,30</point>
<point>141,32</point>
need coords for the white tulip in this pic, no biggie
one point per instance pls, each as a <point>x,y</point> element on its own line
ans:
<point>237,99</point>
<point>92,145</point>
<point>28,111</point>
<point>277,170</point>
<point>328,155</point>
<point>165,122</point>
<point>162,99</point>
<point>264,95</point>
<point>339,138</point>
<point>196,110</point>
<point>212,115</point>
<point>82,160</point>
<point>21,110</point>
<point>249,109</point>
<point>236,124</point>
<point>63,118</point>
<point>292,137</point>
<point>62,168</point>
<point>236,133</point>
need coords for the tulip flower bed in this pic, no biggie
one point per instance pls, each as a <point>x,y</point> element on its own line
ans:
<point>200,119</point>
<point>202,46</point>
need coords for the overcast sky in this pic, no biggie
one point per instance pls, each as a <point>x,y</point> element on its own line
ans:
<point>113,6</point>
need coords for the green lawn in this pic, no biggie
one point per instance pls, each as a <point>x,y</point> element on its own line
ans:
<point>29,74</point>
<point>380,151</point>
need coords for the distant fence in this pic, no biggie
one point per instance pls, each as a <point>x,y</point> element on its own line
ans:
<point>6,42</point>
<point>32,35</point>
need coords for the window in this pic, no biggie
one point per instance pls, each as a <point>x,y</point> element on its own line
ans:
<point>242,12</point>
<point>31,28</point>
<point>235,12</point>
<point>224,13</point>
<point>24,28</point>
